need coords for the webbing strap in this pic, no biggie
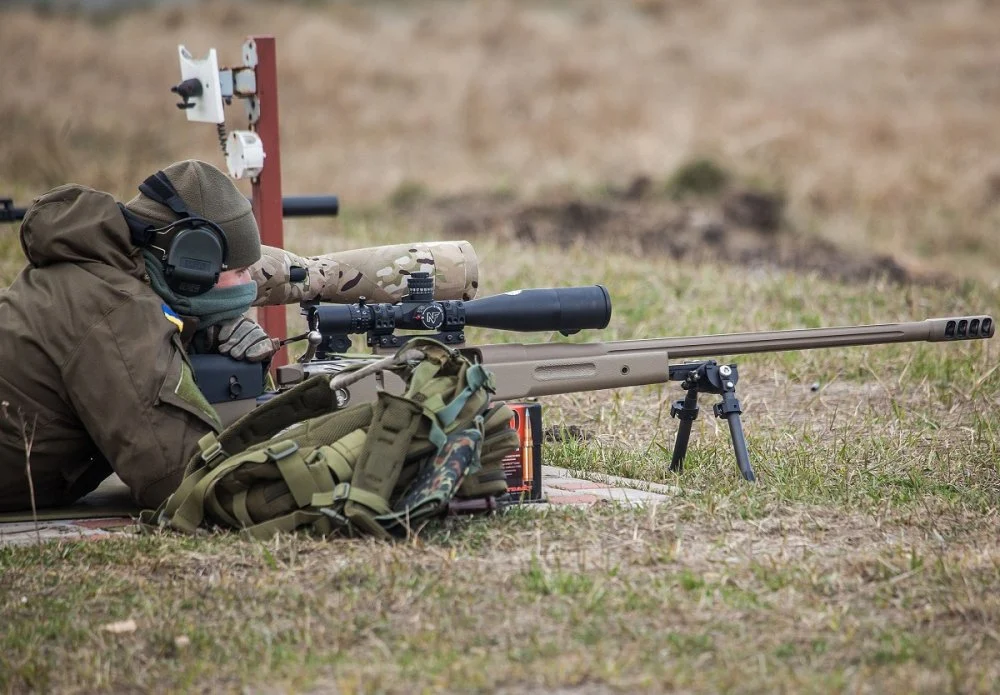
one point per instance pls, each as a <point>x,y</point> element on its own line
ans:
<point>369,499</point>
<point>240,509</point>
<point>323,499</point>
<point>423,373</point>
<point>342,455</point>
<point>169,507</point>
<point>186,508</point>
<point>215,507</point>
<point>393,426</point>
<point>337,468</point>
<point>292,466</point>
<point>289,523</point>
<point>150,521</point>
<point>475,378</point>
<point>210,449</point>
<point>329,499</point>
<point>435,434</point>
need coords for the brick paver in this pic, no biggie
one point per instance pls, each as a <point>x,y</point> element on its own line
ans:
<point>573,484</point>
<point>573,499</point>
<point>560,486</point>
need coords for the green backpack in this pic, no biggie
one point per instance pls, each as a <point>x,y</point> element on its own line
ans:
<point>300,462</point>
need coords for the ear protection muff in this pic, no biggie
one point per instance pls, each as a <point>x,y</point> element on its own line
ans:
<point>193,250</point>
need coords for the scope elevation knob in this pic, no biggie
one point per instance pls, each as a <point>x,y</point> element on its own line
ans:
<point>420,287</point>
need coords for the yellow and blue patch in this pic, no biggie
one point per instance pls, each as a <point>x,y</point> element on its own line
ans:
<point>172,317</point>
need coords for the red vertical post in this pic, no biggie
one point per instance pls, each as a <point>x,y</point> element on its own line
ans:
<point>267,208</point>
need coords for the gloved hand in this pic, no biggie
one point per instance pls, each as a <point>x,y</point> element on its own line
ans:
<point>242,339</point>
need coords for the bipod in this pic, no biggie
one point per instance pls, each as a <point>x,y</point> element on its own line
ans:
<point>708,377</point>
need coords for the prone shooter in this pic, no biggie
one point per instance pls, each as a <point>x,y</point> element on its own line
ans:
<point>344,446</point>
<point>95,331</point>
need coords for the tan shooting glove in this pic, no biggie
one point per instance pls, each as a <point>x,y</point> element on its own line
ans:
<point>242,339</point>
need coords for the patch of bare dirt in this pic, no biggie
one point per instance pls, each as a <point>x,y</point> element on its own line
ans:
<point>742,227</point>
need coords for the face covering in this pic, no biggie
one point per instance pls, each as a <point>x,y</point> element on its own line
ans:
<point>217,305</point>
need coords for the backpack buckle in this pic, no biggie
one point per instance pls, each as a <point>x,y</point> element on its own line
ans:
<point>338,522</point>
<point>281,450</point>
<point>210,449</point>
<point>334,511</point>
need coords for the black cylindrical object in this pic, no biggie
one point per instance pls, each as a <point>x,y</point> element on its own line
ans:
<point>559,309</point>
<point>9,213</point>
<point>335,319</point>
<point>291,206</point>
<point>310,206</point>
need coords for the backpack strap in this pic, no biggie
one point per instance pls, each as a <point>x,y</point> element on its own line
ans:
<point>394,423</point>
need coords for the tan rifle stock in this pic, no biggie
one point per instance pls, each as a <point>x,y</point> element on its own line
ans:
<point>544,369</point>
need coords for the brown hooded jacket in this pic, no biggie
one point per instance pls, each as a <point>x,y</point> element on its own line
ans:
<point>89,356</point>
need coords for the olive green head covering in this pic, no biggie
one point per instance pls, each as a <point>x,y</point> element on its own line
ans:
<point>211,194</point>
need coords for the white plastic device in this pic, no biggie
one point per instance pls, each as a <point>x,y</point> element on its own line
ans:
<point>207,107</point>
<point>244,154</point>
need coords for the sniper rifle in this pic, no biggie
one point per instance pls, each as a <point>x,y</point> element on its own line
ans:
<point>544,369</point>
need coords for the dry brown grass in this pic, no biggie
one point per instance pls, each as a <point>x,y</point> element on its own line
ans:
<point>657,600</point>
<point>876,119</point>
<point>866,560</point>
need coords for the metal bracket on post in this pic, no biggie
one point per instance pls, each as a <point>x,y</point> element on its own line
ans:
<point>252,104</point>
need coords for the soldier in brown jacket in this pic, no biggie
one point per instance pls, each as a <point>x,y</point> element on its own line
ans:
<point>91,349</point>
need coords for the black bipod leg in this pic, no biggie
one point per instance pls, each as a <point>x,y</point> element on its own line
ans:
<point>708,377</point>
<point>686,411</point>
<point>729,410</point>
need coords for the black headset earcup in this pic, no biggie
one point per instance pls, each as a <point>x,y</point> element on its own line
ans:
<point>195,248</point>
<point>195,259</point>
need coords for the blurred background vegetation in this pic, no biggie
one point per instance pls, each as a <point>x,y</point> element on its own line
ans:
<point>873,122</point>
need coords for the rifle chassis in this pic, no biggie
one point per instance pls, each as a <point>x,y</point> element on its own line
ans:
<point>545,369</point>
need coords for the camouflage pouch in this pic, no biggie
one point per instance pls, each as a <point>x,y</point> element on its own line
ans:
<point>435,484</point>
<point>499,439</point>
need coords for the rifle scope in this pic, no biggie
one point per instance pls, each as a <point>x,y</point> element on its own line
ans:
<point>566,309</point>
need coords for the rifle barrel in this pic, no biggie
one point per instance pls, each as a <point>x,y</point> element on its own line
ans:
<point>544,369</point>
<point>929,330</point>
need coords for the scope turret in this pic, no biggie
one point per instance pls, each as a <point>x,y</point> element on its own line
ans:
<point>565,309</point>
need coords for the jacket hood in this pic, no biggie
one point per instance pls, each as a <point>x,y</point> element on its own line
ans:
<point>76,224</point>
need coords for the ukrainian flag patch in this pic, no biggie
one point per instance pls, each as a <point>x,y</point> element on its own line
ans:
<point>172,317</point>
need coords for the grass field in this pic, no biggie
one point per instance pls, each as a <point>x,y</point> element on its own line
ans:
<point>867,557</point>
